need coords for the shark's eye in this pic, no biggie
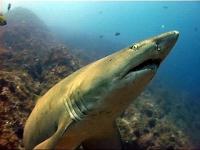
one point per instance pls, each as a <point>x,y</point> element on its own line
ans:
<point>135,46</point>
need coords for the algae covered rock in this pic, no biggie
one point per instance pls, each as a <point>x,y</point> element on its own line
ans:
<point>31,61</point>
<point>17,91</point>
<point>142,126</point>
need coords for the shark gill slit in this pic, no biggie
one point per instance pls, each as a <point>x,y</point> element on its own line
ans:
<point>73,109</point>
<point>81,106</point>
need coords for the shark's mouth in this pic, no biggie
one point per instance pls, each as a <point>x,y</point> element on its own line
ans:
<point>148,64</point>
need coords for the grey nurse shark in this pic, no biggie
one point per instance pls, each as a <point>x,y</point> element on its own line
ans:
<point>81,109</point>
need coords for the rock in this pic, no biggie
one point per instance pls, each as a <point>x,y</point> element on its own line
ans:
<point>150,131</point>
<point>28,54</point>
<point>146,141</point>
<point>148,112</point>
<point>152,123</point>
<point>137,133</point>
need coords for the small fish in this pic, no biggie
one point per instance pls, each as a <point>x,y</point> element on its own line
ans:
<point>2,20</point>
<point>9,6</point>
<point>165,7</point>
<point>101,36</point>
<point>117,34</point>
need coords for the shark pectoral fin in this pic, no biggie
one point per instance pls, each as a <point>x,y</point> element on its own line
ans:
<point>51,142</point>
<point>109,139</point>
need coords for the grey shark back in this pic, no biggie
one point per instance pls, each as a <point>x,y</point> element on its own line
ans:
<point>82,108</point>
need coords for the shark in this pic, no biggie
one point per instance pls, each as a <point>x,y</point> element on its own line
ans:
<point>82,108</point>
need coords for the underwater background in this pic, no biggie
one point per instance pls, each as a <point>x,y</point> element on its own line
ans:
<point>45,41</point>
<point>92,26</point>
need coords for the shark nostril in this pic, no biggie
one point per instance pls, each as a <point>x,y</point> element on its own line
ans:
<point>157,47</point>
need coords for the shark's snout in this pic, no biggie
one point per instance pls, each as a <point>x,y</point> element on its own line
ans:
<point>165,43</point>
<point>148,54</point>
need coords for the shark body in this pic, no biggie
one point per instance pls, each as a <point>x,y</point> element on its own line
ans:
<point>82,108</point>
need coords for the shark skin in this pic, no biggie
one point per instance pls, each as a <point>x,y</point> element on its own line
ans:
<point>81,109</point>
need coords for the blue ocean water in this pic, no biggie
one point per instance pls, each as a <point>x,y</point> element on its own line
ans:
<point>91,26</point>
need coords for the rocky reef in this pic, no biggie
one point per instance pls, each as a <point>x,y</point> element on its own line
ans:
<point>144,125</point>
<point>32,60</point>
